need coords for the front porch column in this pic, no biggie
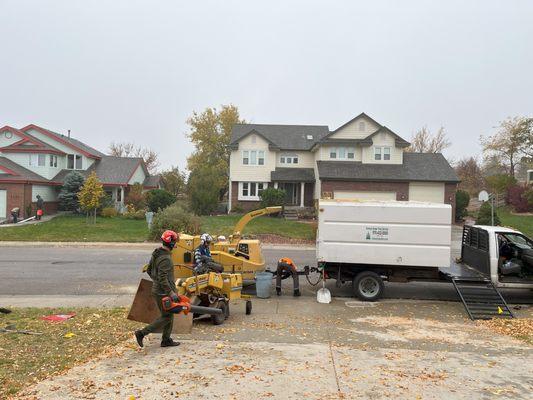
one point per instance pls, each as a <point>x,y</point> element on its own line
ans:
<point>122,199</point>
<point>275,185</point>
<point>302,193</point>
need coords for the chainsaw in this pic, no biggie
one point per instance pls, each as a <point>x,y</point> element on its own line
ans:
<point>184,305</point>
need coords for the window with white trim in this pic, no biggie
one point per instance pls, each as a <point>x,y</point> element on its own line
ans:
<point>253,157</point>
<point>53,161</point>
<point>288,159</point>
<point>37,160</point>
<point>251,190</point>
<point>342,153</point>
<point>362,126</point>
<point>382,153</point>
<point>74,161</point>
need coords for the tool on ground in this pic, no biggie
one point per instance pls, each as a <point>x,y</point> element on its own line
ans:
<point>13,329</point>
<point>5,310</point>
<point>323,295</point>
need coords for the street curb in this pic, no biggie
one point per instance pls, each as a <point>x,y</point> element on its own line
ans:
<point>132,246</point>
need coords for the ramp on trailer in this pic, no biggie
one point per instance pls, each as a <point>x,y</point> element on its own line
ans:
<point>481,299</point>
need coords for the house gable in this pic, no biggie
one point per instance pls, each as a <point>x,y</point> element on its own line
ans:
<point>359,127</point>
<point>139,174</point>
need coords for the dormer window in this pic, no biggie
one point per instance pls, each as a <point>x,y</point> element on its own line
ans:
<point>362,126</point>
<point>74,161</point>
<point>288,159</point>
<point>382,153</point>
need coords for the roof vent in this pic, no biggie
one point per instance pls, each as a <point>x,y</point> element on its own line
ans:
<point>309,137</point>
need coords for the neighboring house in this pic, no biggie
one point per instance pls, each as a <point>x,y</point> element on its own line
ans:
<point>34,160</point>
<point>359,160</point>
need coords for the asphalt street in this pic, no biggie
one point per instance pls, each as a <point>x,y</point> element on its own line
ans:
<point>72,271</point>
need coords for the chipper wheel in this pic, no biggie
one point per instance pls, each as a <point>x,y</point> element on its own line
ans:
<point>248,307</point>
<point>218,319</point>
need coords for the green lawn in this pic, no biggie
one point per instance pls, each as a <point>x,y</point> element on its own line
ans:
<point>223,225</point>
<point>523,223</point>
<point>69,228</point>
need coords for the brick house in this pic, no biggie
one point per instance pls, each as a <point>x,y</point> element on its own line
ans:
<point>362,159</point>
<point>35,161</point>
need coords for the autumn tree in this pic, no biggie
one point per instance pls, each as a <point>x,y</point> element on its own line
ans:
<point>509,144</point>
<point>424,141</point>
<point>210,133</point>
<point>173,180</point>
<point>91,195</point>
<point>471,175</point>
<point>128,149</point>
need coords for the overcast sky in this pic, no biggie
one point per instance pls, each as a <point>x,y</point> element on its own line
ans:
<point>135,70</point>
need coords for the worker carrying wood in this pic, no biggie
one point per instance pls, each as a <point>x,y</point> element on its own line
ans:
<point>161,270</point>
<point>285,269</point>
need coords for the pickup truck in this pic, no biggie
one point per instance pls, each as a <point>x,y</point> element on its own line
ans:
<point>367,243</point>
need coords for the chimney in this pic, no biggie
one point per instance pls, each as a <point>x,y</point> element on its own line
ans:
<point>69,133</point>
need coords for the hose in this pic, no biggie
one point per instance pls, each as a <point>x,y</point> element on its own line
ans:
<point>311,283</point>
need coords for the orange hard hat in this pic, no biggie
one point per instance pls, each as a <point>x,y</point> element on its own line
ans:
<point>169,236</point>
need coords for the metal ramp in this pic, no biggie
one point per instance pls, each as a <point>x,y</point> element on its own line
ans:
<point>481,299</point>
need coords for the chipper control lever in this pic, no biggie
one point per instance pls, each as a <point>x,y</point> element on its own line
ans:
<point>184,305</point>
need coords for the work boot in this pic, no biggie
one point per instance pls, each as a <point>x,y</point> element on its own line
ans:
<point>297,293</point>
<point>139,336</point>
<point>169,343</point>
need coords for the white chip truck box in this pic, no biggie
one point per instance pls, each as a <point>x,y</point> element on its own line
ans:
<point>393,233</point>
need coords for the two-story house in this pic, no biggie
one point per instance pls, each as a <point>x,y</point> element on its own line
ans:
<point>362,159</point>
<point>35,161</point>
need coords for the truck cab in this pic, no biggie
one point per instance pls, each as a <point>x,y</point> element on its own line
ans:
<point>503,254</point>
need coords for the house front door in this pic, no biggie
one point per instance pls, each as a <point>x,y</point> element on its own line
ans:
<point>292,193</point>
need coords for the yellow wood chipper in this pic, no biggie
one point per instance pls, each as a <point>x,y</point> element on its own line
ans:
<point>235,254</point>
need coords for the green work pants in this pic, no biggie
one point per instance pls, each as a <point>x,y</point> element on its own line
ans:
<point>163,322</point>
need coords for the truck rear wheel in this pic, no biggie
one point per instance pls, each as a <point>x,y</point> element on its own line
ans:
<point>368,286</point>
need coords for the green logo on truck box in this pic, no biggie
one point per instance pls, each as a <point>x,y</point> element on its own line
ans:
<point>377,233</point>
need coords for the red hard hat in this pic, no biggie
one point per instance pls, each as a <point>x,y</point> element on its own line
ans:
<point>169,236</point>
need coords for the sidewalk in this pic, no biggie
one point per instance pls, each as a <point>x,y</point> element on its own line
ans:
<point>296,348</point>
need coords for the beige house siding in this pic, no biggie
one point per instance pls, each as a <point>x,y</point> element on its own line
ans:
<point>352,131</point>
<point>383,139</point>
<point>252,173</point>
<point>306,159</point>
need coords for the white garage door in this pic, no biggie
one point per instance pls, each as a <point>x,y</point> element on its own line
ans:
<point>349,195</point>
<point>431,192</point>
<point>3,204</point>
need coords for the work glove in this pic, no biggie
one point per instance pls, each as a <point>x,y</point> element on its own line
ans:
<point>174,297</point>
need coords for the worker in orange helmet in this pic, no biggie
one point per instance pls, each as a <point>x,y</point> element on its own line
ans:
<point>161,270</point>
<point>286,268</point>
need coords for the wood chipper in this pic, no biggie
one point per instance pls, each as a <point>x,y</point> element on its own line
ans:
<point>205,294</point>
<point>235,254</point>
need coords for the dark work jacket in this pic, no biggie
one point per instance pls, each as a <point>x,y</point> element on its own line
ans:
<point>40,203</point>
<point>163,273</point>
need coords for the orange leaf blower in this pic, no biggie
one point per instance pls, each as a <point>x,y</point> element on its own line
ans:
<point>184,305</point>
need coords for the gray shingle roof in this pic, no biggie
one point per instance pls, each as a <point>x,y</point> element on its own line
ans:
<point>110,170</point>
<point>293,175</point>
<point>78,144</point>
<point>152,181</point>
<point>285,137</point>
<point>427,167</point>
<point>22,174</point>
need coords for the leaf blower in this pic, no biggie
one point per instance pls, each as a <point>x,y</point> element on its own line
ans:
<point>184,305</point>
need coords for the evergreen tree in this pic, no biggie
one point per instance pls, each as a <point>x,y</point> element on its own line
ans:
<point>91,194</point>
<point>68,196</point>
<point>484,215</point>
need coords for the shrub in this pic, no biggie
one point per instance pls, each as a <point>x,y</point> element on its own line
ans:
<point>204,190</point>
<point>159,199</point>
<point>500,183</point>
<point>528,195</point>
<point>68,196</point>
<point>484,215</point>
<point>462,199</point>
<point>237,209</point>
<point>109,212</point>
<point>134,214</point>
<point>517,198</point>
<point>176,219</point>
<point>136,197</point>
<point>272,197</point>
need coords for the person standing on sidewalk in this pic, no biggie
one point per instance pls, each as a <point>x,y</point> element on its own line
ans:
<point>161,270</point>
<point>40,204</point>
